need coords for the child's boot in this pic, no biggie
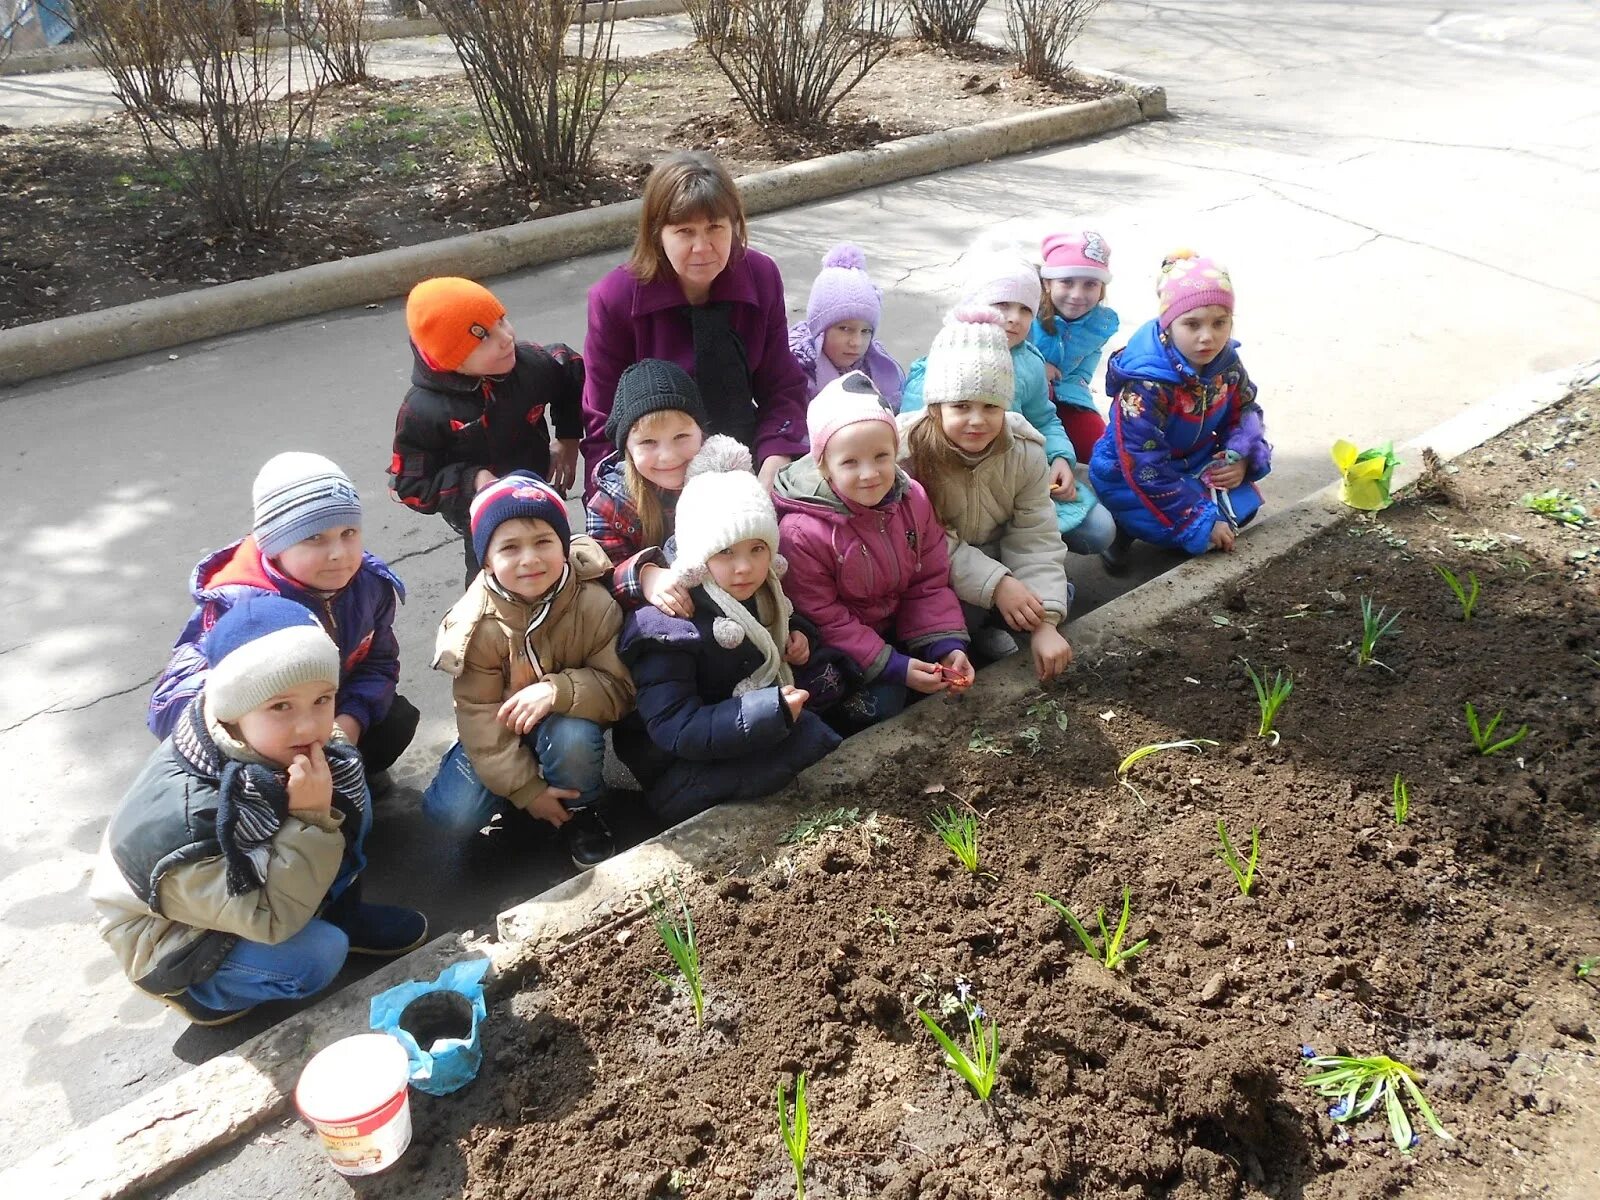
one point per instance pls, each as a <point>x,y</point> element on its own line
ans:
<point>201,1014</point>
<point>1115,556</point>
<point>587,838</point>
<point>381,930</point>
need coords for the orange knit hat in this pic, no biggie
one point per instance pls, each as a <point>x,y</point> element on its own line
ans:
<point>448,317</point>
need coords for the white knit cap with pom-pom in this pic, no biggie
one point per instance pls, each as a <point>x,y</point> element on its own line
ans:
<point>722,504</point>
<point>969,360</point>
<point>842,291</point>
<point>1001,278</point>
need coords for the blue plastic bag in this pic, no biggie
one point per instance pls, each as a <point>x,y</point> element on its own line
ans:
<point>447,1012</point>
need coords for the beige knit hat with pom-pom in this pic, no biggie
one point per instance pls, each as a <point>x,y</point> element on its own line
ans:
<point>969,360</point>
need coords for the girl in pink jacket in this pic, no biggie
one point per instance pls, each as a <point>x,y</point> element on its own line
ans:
<point>868,563</point>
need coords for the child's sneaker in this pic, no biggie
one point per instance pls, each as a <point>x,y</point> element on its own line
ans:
<point>993,643</point>
<point>199,1014</point>
<point>588,839</point>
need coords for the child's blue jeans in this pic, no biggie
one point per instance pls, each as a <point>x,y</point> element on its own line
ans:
<point>571,753</point>
<point>1093,534</point>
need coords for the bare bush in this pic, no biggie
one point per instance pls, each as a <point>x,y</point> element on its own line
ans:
<point>540,106</point>
<point>1041,32</point>
<point>337,39</point>
<point>240,126</point>
<point>791,62</point>
<point>133,42</point>
<point>945,22</point>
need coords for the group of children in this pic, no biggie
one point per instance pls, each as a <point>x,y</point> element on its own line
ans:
<point>728,636</point>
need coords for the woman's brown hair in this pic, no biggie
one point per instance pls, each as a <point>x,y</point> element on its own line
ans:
<point>682,187</point>
<point>934,462</point>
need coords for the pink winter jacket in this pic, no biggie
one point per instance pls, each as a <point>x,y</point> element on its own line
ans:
<point>868,576</point>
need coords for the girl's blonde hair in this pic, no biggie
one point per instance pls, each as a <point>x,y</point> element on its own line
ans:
<point>688,185</point>
<point>935,463</point>
<point>645,495</point>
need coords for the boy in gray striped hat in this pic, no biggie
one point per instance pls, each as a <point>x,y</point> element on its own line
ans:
<point>306,546</point>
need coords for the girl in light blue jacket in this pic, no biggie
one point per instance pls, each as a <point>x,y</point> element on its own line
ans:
<point>1072,328</point>
<point>1010,286</point>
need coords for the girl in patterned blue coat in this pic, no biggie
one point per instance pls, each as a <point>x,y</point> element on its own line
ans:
<point>720,717</point>
<point>1187,442</point>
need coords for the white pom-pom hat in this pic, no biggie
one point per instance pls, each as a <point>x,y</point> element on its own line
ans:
<point>969,360</point>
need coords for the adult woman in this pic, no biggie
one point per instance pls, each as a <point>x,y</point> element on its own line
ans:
<point>693,292</point>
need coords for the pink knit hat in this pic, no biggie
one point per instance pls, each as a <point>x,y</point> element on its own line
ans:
<point>1076,256</point>
<point>1002,279</point>
<point>842,291</point>
<point>1189,281</point>
<point>847,400</point>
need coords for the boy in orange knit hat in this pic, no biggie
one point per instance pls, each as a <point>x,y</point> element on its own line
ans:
<point>477,404</point>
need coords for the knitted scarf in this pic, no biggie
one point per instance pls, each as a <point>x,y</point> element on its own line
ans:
<point>253,799</point>
<point>722,371</point>
<point>738,623</point>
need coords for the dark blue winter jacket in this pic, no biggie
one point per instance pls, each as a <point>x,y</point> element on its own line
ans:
<point>359,619</point>
<point>693,743</point>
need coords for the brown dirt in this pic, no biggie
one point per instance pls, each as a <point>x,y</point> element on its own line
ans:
<point>1449,943</point>
<point>86,221</point>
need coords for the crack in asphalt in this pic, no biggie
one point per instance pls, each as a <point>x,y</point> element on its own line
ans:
<point>400,558</point>
<point>72,708</point>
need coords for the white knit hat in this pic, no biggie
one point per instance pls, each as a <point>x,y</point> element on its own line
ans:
<point>723,504</point>
<point>969,360</point>
<point>298,495</point>
<point>261,647</point>
<point>1002,279</point>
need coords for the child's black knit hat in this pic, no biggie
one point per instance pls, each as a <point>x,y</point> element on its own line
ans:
<point>652,385</point>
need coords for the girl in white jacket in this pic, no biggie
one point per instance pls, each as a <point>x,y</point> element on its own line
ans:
<point>984,468</point>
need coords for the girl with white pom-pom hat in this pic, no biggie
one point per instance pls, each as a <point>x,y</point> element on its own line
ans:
<point>719,717</point>
<point>839,334</point>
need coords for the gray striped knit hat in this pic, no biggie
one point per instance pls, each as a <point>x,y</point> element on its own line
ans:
<point>298,495</point>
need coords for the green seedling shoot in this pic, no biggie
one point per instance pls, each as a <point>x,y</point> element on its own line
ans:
<point>796,1132</point>
<point>981,1068</point>
<point>1269,699</point>
<point>959,831</point>
<point>680,942</point>
<point>1049,710</point>
<point>1558,506</point>
<point>1373,628</point>
<point>1358,1085</point>
<point>809,829</point>
<point>1466,595</point>
<point>1246,875</point>
<point>1402,799</point>
<point>1483,737</point>
<point>1109,953</point>
<point>1196,745</point>
<point>981,743</point>
<point>1030,737</point>
<point>1588,966</point>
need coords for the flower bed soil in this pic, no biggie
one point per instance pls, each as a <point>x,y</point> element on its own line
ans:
<point>1449,943</point>
<point>86,222</point>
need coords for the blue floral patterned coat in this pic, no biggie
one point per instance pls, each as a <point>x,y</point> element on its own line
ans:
<point>1167,423</point>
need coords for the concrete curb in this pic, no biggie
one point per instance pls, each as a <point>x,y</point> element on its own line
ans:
<point>77,55</point>
<point>66,343</point>
<point>199,1113</point>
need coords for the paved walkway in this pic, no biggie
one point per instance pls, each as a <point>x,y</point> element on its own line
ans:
<point>1408,200</point>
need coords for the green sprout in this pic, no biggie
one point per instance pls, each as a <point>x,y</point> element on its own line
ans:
<point>1246,875</point>
<point>1373,627</point>
<point>1402,799</point>
<point>1588,966</point>
<point>1558,506</point>
<point>809,829</point>
<point>1109,953</point>
<point>983,1066</point>
<point>1358,1085</point>
<point>1467,597</point>
<point>1030,737</point>
<point>681,945</point>
<point>1197,745</point>
<point>1269,699</point>
<point>795,1134</point>
<point>959,831</point>
<point>890,925</point>
<point>981,743</point>
<point>1049,710</point>
<point>1483,737</point>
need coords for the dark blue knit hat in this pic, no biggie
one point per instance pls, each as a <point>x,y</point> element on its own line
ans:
<point>261,647</point>
<point>519,494</point>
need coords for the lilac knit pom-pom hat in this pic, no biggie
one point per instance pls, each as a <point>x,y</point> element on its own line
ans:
<point>842,291</point>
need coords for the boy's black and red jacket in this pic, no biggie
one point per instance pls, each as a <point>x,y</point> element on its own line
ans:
<point>451,426</point>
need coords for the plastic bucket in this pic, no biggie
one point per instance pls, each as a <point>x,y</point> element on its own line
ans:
<point>355,1095</point>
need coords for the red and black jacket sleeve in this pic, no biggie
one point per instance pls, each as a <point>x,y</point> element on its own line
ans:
<point>424,472</point>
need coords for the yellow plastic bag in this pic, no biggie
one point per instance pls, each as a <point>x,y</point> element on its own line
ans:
<point>1365,475</point>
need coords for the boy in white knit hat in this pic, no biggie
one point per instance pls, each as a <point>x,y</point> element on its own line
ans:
<point>305,545</point>
<point>1009,284</point>
<point>719,715</point>
<point>230,873</point>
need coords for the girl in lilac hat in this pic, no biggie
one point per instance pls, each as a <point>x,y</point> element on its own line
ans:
<point>1187,442</point>
<point>839,334</point>
<point>1072,327</point>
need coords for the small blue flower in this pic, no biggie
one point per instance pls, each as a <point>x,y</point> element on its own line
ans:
<point>963,990</point>
<point>977,1012</point>
<point>1416,1138</point>
<point>1339,1111</point>
<point>1307,1052</point>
